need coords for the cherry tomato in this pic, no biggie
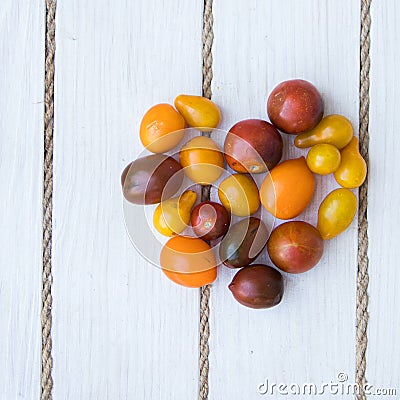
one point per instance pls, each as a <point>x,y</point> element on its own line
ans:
<point>295,246</point>
<point>253,145</point>
<point>323,159</point>
<point>188,261</point>
<point>295,106</point>
<point>353,168</point>
<point>288,189</point>
<point>336,213</point>
<point>239,194</point>
<point>161,128</point>
<point>198,112</point>
<point>210,220</point>
<point>202,160</point>
<point>151,178</point>
<point>333,129</point>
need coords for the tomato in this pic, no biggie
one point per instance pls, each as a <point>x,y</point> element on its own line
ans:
<point>295,246</point>
<point>198,112</point>
<point>353,168</point>
<point>243,242</point>
<point>257,286</point>
<point>172,216</point>
<point>323,159</point>
<point>151,178</point>
<point>333,129</point>
<point>295,106</point>
<point>202,160</point>
<point>288,189</point>
<point>210,220</point>
<point>336,212</point>
<point>253,145</point>
<point>188,261</point>
<point>161,128</point>
<point>239,194</point>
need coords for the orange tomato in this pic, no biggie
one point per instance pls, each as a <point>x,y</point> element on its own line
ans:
<point>288,189</point>
<point>188,261</point>
<point>161,128</point>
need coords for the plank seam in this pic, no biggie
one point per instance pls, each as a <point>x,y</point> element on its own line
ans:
<point>207,39</point>
<point>46,378</point>
<point>362,254</point>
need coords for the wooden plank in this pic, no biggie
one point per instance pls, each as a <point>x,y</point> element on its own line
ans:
<point>121,329</point>
<point>310,336</point>
<point>21,157</point>
<point>383,368</point>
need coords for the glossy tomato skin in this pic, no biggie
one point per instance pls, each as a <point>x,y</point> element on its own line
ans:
<point>288,189</point>
<point>124,174</point>
<point>152,178</point>
<point>295,246</point>
<point>210,220</point>
<point>188,261</point>
<point>295,106</point>
<point>257,286</point>
<point>253,146</point>
<point>243,243</point>
<point>323,159</point>
<point>336,213</point>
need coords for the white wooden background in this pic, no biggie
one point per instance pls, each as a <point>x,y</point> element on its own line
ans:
<point>121,330</point>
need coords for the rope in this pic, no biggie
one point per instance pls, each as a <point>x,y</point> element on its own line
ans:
<point>47,278</point>
<point>208,37</point>
<point>362,274</point>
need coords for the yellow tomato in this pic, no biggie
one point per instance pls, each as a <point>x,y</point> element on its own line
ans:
<point>353,168</point>
<point>202,160</point>
<point>336,213</point>
<point>333,129</point>
<point>161,128</point>
<point>198,112</point>
<point>239,194</point>
<point>172,216</point>
<point>323,159</point>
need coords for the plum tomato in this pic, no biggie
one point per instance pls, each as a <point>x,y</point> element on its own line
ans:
<point>243,243</point>
<point>288,189</point>
<point>253,146</point>
<point>162,128</point>
<point>202,160</point>
<point>188,261</point>
<point>198,112</point>
<point>152,178</point>
<point>210,220</point>
<point>352,171</point>
<point>239,194</point>
<point>295,246</point>
<point>257,286</point>
<point>333,129</point>
<point>336,213</point>
<point>295,106</point>
<point>323,159</point>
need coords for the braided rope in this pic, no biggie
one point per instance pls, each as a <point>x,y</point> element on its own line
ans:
<point>47,278</point>
<point>362,274</point>
<point>208,37</point>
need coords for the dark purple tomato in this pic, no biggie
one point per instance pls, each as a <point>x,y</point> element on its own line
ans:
<point>295,246</point>
<point>152,178</point>
<point>253,146</point>
<point>210,220</point>
<point>124,173</point>
<point>243,242</point>
<point>295,106</point>
<point>257,286</point>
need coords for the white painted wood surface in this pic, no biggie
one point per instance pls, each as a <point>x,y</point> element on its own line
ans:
<point>310,336</point>
<point>121,329</point>
<point>384,198</point>
<point>21,149</point>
